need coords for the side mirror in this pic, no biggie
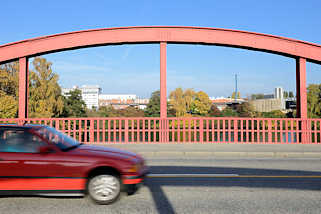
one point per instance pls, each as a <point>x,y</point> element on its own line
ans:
<point>45,149</point>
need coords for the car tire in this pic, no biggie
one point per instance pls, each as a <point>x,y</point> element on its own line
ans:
<point>104,188</point>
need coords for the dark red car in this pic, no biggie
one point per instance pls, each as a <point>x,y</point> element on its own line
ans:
<point>36,159</point>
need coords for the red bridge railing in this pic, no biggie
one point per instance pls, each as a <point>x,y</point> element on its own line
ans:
<point>194,130</point>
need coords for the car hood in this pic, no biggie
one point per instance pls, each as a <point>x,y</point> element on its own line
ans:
<point>107,150</point>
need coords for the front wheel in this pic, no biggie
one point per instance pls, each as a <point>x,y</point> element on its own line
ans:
<point>104,188</point>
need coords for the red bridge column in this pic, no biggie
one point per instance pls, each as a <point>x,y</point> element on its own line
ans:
<point>163,94</point>
<point>163,89</point>
<point>23,88</point>
<point>301,99</point>
<point>301,89</point>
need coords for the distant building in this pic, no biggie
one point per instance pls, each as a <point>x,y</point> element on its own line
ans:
<point>117,97</point>
<point>92,96</point>
<point>270,102</point>
<point>278,93</point>
<point>267,105</point>
<point>121,101</point>
<point>269,96</point>
<point>89,94</point>
<point>222,102</point>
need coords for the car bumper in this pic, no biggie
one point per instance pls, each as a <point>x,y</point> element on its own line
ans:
<point>136,179</point>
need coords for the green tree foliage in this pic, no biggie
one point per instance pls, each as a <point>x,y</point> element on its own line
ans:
<point>214,111</point>
<point>291,95</point>
<point>314,100</point>
<point>285,94</point>
<point>9,85</point>
<point>74,106</point>
<point>245,110</point>
<point>45,99</point>
<point>257,96</point>
<point>229,112</point>
<point>131,111</point>
<point>201,104</point>
<point>272,114</point>
<point>109,111</point>
<point>153,107</point>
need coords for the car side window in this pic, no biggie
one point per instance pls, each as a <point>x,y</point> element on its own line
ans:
<point>20,141</point>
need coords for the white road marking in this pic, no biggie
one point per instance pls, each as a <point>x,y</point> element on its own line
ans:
<point>190,175</point>
<point>228,176</point>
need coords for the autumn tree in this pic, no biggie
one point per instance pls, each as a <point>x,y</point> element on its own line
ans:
<point>9,84</point>
<point>8,106</point>
<point>189,97</point>
<point>45,99</point>
<point>201,104</point>
<point>177,102</point>
<point>314,100</point>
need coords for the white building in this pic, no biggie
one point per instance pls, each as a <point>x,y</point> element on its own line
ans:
<point>65,91</point>
<point>117,97</point>
<point>278,93</point>
<point>90,95</point>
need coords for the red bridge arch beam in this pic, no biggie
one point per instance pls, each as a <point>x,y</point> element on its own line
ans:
<point>300,50</point>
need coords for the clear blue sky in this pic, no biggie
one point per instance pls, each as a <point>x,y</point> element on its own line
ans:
<point>135,68</point>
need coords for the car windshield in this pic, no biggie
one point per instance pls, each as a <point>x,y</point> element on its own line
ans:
<point>64,142</point>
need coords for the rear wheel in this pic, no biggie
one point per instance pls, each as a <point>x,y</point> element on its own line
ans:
<point>104,188</point>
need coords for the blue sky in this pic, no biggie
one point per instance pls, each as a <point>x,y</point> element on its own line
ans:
<point>135,68</point>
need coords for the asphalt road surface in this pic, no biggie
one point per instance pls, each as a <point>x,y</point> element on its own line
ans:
<point>203,185</point>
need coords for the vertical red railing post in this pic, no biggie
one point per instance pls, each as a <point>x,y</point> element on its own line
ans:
<point>126,130</point>
<point>91,131</point>
<point>235,130</point>
<point>98,131</point>
<point>23,89</point>
<point>301,91</point>
<point>80,130</point>
<point>201,130</point>
<point>104,130</point>
<point>149,130</point>
<point>269,131</point>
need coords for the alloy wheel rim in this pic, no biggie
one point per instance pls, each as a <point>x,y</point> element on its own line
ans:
<point>104,187</point>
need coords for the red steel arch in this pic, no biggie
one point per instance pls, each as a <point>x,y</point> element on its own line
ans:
<point>299,50</point>
<point>193,35</point>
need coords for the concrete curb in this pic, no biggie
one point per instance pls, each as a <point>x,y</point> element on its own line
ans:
<point>200,150</point>
<point>232,154</point>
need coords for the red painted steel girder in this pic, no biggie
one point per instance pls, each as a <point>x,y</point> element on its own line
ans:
<point>193,35</point>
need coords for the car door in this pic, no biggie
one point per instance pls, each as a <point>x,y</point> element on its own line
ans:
<point>23,167</point>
